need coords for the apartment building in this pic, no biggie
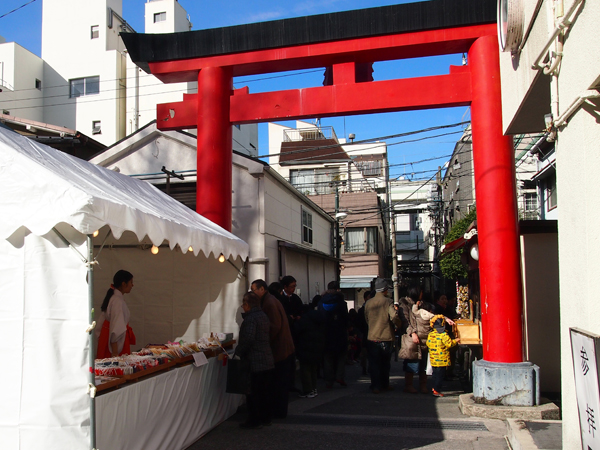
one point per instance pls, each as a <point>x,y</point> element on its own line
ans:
<point>84,79</point>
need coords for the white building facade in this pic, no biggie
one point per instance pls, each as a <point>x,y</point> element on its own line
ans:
<point>85,79</point>
<point>561,97</point>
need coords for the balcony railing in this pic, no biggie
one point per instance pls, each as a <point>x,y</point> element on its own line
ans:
<point>309,134</point>
<point>329,187</point>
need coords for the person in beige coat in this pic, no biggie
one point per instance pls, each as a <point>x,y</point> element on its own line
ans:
<point>381,318</point>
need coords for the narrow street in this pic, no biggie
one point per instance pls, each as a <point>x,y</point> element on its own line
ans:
<point>354,418</point>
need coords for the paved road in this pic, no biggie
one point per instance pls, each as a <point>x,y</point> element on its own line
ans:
<point>354,418</point>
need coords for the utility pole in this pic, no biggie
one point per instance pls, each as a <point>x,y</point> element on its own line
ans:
<point>337,230</point>
<point>170,173</point>
<point>394,260</point>
<point>337,221</point>
<point>392,227</point>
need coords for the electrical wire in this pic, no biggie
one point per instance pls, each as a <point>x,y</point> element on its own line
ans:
<point>16,9</point>
<point>365,141</point>
<point>145,76</point>
<point>279,76</point>
<point>390,207</point>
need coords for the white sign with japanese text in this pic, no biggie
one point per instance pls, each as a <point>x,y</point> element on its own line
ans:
<point>584,346</point>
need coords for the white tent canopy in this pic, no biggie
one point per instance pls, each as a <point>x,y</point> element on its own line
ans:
<point>46,301</point>
<point>43,188</point>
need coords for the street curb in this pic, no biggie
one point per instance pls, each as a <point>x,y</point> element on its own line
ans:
<point>546,411</point>
<point>520,437</point>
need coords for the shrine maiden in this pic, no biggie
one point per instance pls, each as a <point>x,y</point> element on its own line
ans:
<point>116,336</point>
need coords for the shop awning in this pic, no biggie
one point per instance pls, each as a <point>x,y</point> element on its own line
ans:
<point>459,243</point>
<point>43,188</point>
<point>355,282</point>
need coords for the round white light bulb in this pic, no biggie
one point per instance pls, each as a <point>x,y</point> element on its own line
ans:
<point>154,250</point>
<point>475,252</point>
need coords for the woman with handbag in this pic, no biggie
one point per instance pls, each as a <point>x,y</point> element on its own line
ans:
<point>253,345</point>
<point>115,335</point>
<point>411,346</point>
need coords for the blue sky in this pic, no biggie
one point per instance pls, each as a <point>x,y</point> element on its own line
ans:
<point>24,27</point>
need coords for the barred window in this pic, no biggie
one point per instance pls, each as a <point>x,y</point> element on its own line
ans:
<point>307,231</point>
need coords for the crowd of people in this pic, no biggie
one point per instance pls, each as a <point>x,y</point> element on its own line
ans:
<point>279,330</point>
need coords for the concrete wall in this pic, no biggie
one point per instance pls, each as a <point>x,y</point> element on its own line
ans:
<point>176,17</point>
<point>19,69</point>
<point>69,52</point>
<point>579,228</point>
<point>516,73</point>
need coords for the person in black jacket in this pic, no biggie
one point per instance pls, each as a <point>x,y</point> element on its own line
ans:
<point>334,306</point>
<point>294,303</point>
<point>310,332</point>
<point>254,345</point>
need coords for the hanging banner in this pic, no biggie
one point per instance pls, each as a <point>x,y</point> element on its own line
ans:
<point>585,346</point>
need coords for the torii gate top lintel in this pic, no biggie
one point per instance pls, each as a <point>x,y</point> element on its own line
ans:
<point>450,26</point>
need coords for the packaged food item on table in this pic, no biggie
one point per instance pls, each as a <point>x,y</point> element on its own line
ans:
<point>127,364</point>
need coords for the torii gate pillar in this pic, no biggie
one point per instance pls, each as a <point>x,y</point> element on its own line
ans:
<point>502,376</point>
<point>497,223</point>
<point>214,157</point>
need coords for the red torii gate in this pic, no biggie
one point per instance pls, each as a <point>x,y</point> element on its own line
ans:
<point>217,106</point>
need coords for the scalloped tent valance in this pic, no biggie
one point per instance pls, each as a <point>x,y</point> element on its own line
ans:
<point>43,188</point>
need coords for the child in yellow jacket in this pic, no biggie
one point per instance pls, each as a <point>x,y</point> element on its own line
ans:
<point>439,345</point>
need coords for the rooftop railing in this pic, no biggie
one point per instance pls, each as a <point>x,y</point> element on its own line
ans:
<point>309,134</point>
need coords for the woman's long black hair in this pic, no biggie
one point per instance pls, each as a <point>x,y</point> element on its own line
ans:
<point>122,276</point>
<point>414,292</point>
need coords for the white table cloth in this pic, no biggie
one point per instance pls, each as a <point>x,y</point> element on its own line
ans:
<point>169,411</point>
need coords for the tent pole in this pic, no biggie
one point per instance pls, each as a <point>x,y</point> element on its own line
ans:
<point>92,351</point>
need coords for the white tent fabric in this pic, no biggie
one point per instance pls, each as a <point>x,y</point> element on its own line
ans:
<point>44,307</point>
<point>42,187</point>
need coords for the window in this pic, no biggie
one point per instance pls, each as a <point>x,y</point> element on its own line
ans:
<point>361,240</point>
<point>95,32</point>
<point>96,127</point>
<point>551,197</point>
<point>160,17</point>
<point>370,168</point>
<point>307,232</point>
<point>315,181</point>
<point>38,84</point>
<point>84,86</point>
<point>530,201</point>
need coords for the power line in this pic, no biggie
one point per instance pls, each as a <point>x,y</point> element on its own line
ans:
<point>365,141</point>
<point>279,76</point>
<point>146,76</point>
<point>345,152</point>
<point>390,207</point>
<point>16,9</point>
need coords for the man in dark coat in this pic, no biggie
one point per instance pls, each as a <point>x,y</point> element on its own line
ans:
<point>335,309</point>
